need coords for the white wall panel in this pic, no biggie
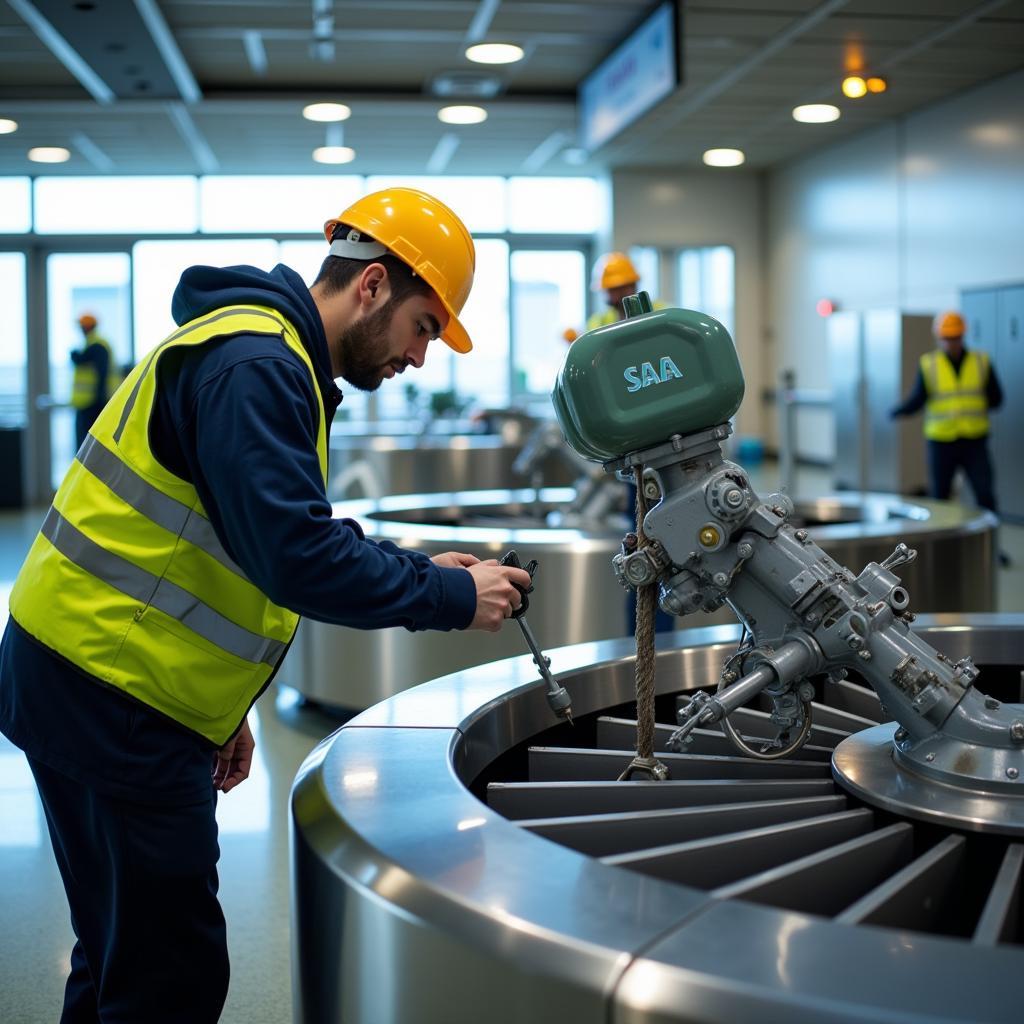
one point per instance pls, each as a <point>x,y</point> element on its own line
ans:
<point>680,210</point>
<point>905,216</point>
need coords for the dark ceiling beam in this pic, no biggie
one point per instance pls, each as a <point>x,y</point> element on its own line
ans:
<point>169,52</point>
<point>99,159</point>
<point>192,137</point>
<point>926,42</point>
<point>117,49</point>
<point>683,106</point>
<point>481,22</point>
<point>255,51</point>
<point>63,51</point>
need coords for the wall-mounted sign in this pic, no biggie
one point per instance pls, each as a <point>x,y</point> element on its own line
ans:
<point>637,74</point>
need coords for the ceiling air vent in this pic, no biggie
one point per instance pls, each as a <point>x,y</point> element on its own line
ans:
<point>464,85</point>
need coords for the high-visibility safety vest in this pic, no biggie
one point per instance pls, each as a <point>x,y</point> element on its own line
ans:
<point>85,383</point>
<point>607,316</point>
<point>611,315</point>
<point>127,579</point>
<point>957,406</point>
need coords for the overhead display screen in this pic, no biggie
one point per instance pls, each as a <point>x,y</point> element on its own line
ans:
<point>642,70</point>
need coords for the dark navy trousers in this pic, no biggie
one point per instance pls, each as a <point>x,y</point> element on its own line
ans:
<point>946,457</point>
<point>141,882</point>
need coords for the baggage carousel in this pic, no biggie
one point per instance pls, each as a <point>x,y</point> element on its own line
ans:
<point>374,466</point>
<point>576,599</point>
<point>459,857</point>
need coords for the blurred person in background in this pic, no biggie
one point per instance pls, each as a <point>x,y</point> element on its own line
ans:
<point>96,376</point>
<point>956,387</point>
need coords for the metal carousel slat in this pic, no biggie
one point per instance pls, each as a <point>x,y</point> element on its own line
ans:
<point>1002,919</point>
<point>827,881</point>
<point>620,733</point>
<point>601,835</point>
<point>518,800</point>
<point>571,764</point>
<point>833,718</point>
<point>709,863</point>
<point>913,897</point>
<point>750,722</point>
<point>855,699</point>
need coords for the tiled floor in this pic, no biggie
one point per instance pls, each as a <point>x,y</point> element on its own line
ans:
<point>35,937</point>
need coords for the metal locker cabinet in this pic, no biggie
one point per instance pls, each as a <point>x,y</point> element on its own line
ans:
<point>893,345</point>
<point>1008,421</point>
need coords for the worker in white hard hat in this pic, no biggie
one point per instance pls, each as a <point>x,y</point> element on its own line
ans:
<point>169,575</point>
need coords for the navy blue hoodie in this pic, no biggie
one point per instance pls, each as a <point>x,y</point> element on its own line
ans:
<point>238,418</point>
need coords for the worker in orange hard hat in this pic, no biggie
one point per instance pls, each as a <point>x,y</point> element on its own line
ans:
<point>168,579</point>
<point>95,378</point>
<point>956,387</point>
<point>615,276</point>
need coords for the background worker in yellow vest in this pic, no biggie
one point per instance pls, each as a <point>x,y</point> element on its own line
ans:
<point>95,377</point>
<point>166,583</point>
<point>956,387</point>
<point>615,275</point>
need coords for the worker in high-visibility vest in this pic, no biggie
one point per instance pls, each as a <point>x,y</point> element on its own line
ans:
<point>167,580</point>
<point>95,378</point>
<point>615,276</point>
<point>956,387</point>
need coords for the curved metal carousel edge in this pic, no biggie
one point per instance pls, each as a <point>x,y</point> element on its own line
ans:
<point>415,902</point>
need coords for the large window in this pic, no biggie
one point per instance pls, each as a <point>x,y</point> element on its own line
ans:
<point>159,265</point>
<point>548,299</point>
<point>706,281</point>
<point>13,347</point>
<point>480,202</point>
<point>79,283</point>
<point>532,240</point>
<point>273,203</point>
<point>114,205</point>
<point>15,205</point>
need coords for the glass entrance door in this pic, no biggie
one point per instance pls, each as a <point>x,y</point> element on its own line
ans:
<point>80,284</point>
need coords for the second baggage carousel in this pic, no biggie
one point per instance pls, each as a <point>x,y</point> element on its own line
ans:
<point>576,598</point>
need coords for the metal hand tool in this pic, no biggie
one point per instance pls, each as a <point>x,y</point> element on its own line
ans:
<point>558,697</point>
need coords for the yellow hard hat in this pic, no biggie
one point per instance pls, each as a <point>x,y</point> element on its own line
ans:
<point>427,236</point>
<point>949,325</point>
<point>87,322</point>
<point>613,270</point>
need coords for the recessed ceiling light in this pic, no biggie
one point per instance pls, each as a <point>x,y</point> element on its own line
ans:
<point>724,157</point>
<point>816,113</point>
<point>877,84</point>
<point>495,53</point>
<point>49,154</point>
<point>7,126</point>
<point>334,154</point>
<point>462,115</point>
<point>326,112</point>
<point>854,87</point>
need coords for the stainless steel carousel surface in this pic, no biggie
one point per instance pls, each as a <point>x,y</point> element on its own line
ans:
<point>575,599</point>
<point>371,467</point>
<point>457,858</point>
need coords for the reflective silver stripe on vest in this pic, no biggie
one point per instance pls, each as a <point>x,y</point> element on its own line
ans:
<point>159,593</point>
<point>177,336</point>
<point>152,503</point>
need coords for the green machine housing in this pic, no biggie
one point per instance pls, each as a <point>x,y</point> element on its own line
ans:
<point>633,384</point>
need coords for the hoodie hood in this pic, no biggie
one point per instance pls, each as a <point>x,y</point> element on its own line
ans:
<point>201,290</point>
